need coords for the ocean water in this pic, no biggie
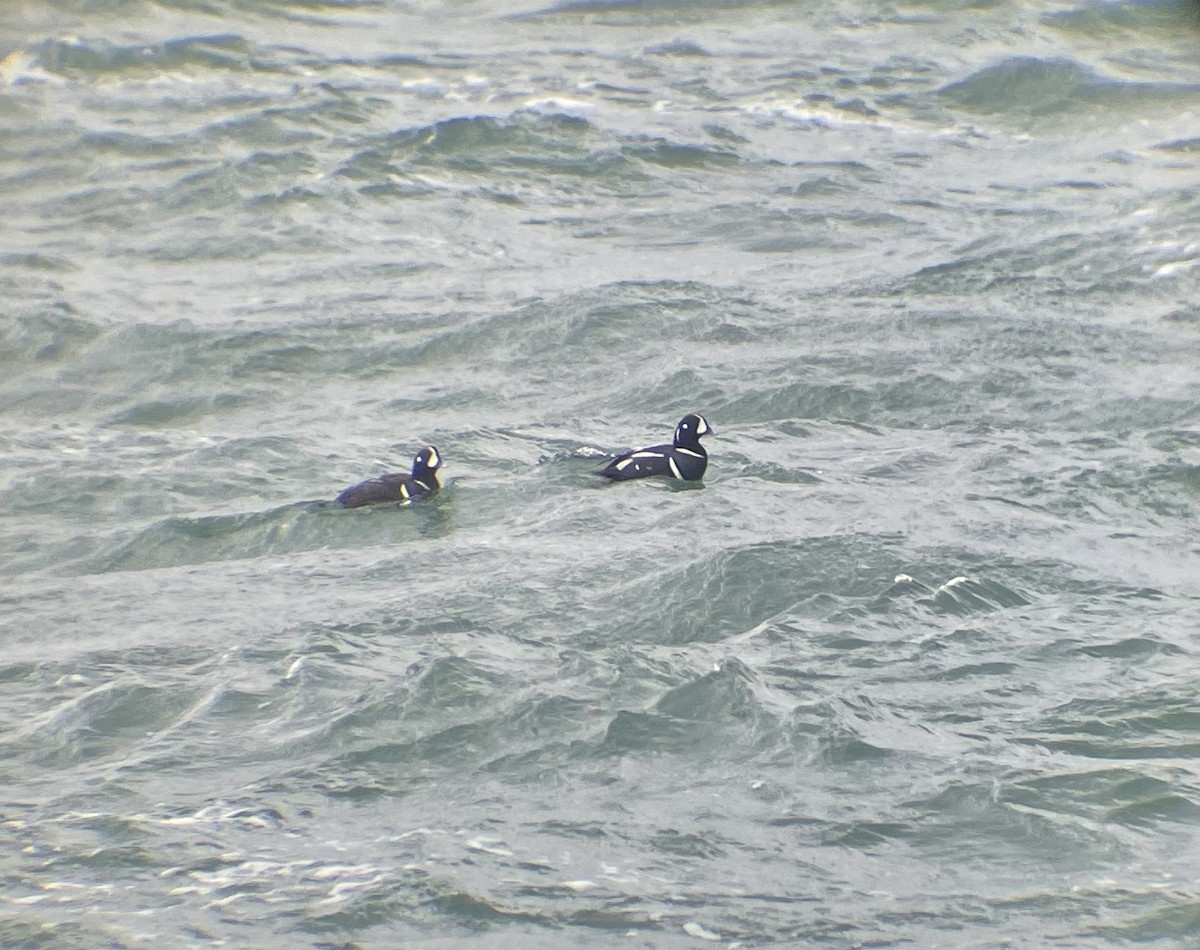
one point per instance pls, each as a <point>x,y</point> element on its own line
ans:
<point>916,665</point>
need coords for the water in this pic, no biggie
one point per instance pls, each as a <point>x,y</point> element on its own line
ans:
<point>913,666</point>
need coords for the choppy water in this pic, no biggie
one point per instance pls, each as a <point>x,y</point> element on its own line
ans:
<point>915,666</point>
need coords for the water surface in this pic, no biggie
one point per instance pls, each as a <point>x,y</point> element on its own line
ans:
<point>913,666</point>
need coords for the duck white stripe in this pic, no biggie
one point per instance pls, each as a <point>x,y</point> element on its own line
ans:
<point>674,468</point>
<point>695,455</point>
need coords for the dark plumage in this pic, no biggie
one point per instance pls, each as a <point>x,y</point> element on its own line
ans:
<point>684,459</point>
<point>397,486</point>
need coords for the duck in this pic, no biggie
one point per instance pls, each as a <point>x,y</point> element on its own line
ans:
<point>397,487</point>
<point>684,459</point>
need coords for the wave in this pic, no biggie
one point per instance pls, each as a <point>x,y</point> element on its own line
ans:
<point>550,147</point>
<point>1028,87</point>
<point>95,57</point>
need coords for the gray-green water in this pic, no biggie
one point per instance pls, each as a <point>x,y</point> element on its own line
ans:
<point>915,666</point>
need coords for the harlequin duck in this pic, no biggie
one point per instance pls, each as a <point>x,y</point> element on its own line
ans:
<point>684,459</point>
<point>397,487</point>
